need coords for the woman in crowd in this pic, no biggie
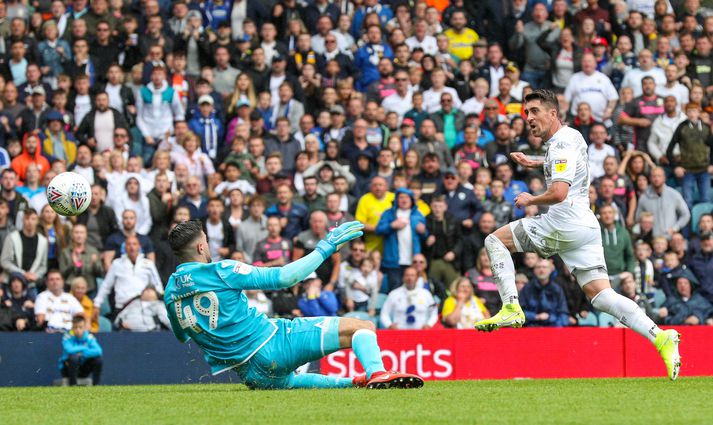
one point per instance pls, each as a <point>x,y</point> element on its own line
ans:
<point>482,279</point>
<point>463,308</point>
<point>57,234</point>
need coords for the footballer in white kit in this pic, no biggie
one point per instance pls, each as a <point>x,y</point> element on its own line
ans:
<point>569,229</point>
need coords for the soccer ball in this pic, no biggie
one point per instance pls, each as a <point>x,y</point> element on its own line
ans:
<point>69,194</point>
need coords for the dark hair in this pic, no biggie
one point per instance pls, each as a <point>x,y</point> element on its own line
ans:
<point>647,77</point>
<point>546,97</point>
<point>78,319</point>
<point>183,234</point>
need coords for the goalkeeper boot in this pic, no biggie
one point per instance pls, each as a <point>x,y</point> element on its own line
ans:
<point>510,315</point>
<point>360,381</point>
<point>667,345</point>
<point>392,379</point>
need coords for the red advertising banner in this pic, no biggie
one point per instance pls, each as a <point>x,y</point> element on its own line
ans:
<point>528,353</point>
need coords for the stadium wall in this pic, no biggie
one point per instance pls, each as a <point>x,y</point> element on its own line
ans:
<point>157,358</point>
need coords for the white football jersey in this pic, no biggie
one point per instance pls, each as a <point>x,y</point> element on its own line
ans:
<point>567,160</point>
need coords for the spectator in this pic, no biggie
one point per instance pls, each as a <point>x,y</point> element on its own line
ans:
<point>293,216</point>
<point>161,202</point>
<point>275,250</point>
<point>99,218</point>
<point>701,264</point>
<point>367,57</point>
<point>670,210</point>
<point>78,289</point>
<point>644,269</point>
<point>158,106</point>
<point>404,230</point>
<point>311,198</point>
<point>194,199</point>
<point>662,131</point>
<point>475,240</point>
<point>642,111</point>
<point>409,306</point>
<point>134,199</point>
<point>705,225</point>
<point>25,250</point>
<point>208,127</point>
<point>543,300</point>
<point>448,120</point>
<point>31,154</point>
<point>306,242</point>
<point>695,140</point>
<point>97,128</point>
<point>628,288</point>
<point>497,205</point>
<point>401,100</point>
<point>115,245</point>
<point>55,309</point>
<point>686,306</point>
<point>317,301</point>
<point>284,143</point>
<point>444,243</point>
<point>526,35</point>
<point>673,87</point>
<point>127,277</point>
<point>352,262</point>
<point>81,353</point>
<point>369,210</point>
<point>252,229</point>
<point>221,237</point>
<point>618,251</point>
<point>362,287</point>
<point>647,68</point>
<point>460,38</point>
<point>197,162</point>
<point>598,150</point>
<point>432,96</point>
<point>18,305</point>
<point>144,314</point>
<point>431,142</point>
<point>462,308</point>
<point>592,87</point>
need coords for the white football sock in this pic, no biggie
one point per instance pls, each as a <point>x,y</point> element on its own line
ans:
<point>503,269</point>
<point>627,312</point>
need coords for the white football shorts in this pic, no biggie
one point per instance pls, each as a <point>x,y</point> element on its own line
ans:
<point>580,247</point>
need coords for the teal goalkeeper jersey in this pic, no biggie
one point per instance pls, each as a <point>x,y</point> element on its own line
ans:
<point>206,303</point>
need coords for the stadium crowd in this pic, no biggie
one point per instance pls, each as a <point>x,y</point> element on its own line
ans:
<point>273,121</point>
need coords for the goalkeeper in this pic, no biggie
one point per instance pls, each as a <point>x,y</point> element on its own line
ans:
<point>206,303</point>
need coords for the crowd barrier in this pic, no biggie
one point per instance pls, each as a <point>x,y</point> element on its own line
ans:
<point>158,358</point>
<point>530,353</point>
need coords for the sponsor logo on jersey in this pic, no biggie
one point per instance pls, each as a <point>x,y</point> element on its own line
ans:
<point>560,165</point>
<point>242,268</point>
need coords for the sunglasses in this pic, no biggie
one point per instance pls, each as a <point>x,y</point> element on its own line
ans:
<point>402,79</point>
<point>446,100</point>
<point>491,108</point>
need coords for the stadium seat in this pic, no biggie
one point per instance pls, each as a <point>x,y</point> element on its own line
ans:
<point>659,298</point>
<point>104,324</point>
<point>380,301</point>
<point>697,211</point>
<point>606,320</point>
<point>591,320</point>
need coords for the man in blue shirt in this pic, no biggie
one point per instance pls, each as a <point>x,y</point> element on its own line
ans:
<point>81,354</point>
<point>206,302</point>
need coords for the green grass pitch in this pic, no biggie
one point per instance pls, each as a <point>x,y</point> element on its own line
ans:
<point>572,401</point>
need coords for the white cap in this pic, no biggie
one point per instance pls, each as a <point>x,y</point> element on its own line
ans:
<point>206,98</point>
